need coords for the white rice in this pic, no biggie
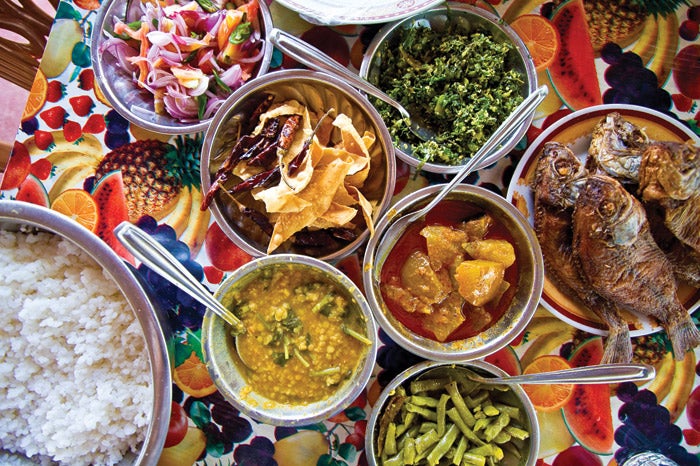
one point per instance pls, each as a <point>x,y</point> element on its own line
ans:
<point>75,382</point>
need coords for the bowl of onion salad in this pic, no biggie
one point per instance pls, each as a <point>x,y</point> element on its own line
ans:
<point>168,66</point>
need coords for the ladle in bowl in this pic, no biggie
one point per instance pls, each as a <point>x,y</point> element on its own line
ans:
<point>161,261</point>
<point>319,61</point>
<point>501,134</point>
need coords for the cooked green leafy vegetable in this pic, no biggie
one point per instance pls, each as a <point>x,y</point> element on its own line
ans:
<point>461,83</point>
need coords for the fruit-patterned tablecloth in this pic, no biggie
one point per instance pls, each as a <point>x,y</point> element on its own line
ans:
<point>638,52</point>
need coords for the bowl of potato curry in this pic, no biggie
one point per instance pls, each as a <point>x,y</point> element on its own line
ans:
<point>460,284</point>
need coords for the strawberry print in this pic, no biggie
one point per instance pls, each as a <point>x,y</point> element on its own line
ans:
<point>43,139</point>
<point>54,117</point>
<point>72,131</point>
<point>82,105</point>
<point>55,91</point>
<point>41,169</point>
<point>95,124</point>
<point>86,79</point>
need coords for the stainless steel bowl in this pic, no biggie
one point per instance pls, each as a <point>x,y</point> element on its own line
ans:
<point>319,92</point>
<point>18,216</point>
<point>516,397</point>
<point>227,370</point>
<point>119,87</point>
<point>499,333</point>
<point>469,18</point>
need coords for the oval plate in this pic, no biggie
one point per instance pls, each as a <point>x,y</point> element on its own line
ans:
<point>574,130</point>
<point>335,12</point>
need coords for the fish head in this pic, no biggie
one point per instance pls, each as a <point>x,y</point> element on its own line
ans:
<point>613,212</point>
<point>670,170</point>
<point>616,147</point>
<point>559,176</point>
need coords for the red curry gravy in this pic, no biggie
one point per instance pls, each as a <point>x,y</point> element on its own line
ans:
<point>447,213</point>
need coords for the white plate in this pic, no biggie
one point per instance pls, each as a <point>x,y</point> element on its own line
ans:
<point>334,12</point>
<point>574,130</point>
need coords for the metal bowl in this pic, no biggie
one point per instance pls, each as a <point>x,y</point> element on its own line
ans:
<point>119,86</point>
<point>319,92</point>
<point>469,18</point>
<point>515,396</point>
<point>228,371</point>
<point>501,332</point>
<point>21,216</point>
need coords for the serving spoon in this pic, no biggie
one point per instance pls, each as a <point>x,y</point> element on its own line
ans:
<point>161,261</point>
<point>602,373</point>
<point>319,61</point>
<point>514,120</point>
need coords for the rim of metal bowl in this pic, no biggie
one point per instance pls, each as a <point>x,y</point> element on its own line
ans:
<point>226,112</point>
<point>120,84</point>
<point>18,213</point>
<point>220,360</point>
<point>421,368</point>
<point>372,55</point>
<point>471,348</point>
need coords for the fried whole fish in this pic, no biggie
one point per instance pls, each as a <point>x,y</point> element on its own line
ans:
<point>669,176</point>
<point>558,177</point>
<point>616,148</point>
<point>623,264</point>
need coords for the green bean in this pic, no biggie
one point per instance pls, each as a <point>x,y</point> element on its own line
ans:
<point>517,432</point>
<point>427,426</point>
<point>390,440</point>
<point>409,451</point>
<point>502,437</point>
<point>421,411</point>
<point>472,459</point>
<point>443,445</point>
<point>422,400</point>
<point>441,408</point>
<point>491,410</point>
<point>459,422</point>
<point>426,441</point>
<point>496,426</point>
<point>427,385</point>
<point>459,403</point>
<point>477,400</point>
<point>459,451</point>
<point>513,412</point>
<point>396,460</point>
<point>487,449</point>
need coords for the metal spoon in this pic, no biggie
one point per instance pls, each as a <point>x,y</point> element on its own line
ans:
<point>501,134</point>
<point>602,373</point>
<point>161,261</point>
<point>319,61</point>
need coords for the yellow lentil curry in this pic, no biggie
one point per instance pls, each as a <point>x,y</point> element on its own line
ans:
<point>305,335</point>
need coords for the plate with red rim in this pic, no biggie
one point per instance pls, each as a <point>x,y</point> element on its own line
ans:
<point>574,130</point>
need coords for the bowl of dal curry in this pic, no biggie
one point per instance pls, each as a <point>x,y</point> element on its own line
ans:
<point>459,284</point>
<point>309,346</point>
<point>297,162</point>
<point>462,70</point>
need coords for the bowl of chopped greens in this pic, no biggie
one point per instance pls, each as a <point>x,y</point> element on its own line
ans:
<point>432,413</point>
<point>169,68</point>
<point>460,68</point>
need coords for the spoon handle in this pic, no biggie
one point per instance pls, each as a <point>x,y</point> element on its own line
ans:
<point>161,261</point>
<point>514,120</point>
<point>602,373</point>
<point>319,61</point>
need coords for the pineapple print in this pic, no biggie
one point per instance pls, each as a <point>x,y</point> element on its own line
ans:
<point>621,21</point>
<point>154,173</point>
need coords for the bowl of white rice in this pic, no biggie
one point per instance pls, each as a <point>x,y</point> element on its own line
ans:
<point>84,371</point>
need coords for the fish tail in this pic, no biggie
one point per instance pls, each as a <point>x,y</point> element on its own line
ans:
<point>618,346</point>
<point>684,336</point>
